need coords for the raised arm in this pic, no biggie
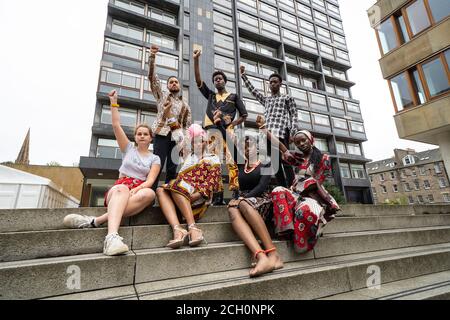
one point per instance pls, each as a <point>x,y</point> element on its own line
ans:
<point>292,109</point>
<point>155,85</point>
<point>198,77</point>
<point>255,92</point>
<point>121,137</point>
<point>201,85</point>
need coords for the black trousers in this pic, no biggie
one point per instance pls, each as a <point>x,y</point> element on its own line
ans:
<point>285,174</point>
<point>162,147</point>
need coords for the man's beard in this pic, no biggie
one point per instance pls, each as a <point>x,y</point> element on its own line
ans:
<point>174,90</point>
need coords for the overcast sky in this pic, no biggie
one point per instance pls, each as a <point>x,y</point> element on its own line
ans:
<point>49,66</point>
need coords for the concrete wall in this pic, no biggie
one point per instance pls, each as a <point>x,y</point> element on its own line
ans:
<point>382,9</point>
<point>68,178</point>
<point>425,122</point>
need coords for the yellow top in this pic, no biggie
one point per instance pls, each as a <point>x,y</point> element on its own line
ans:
<point>222,97</point>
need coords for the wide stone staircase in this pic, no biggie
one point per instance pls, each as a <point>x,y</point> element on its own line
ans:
<point>406,249</point>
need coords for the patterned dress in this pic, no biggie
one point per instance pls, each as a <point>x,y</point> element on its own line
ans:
<point>302,209</point>
<point>198,175</point>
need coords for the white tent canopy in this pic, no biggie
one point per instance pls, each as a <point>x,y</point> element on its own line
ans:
<point>22,190</point>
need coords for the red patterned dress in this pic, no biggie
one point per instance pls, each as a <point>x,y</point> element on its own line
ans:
<point>305,206</point>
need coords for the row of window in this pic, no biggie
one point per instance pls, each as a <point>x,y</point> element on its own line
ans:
<point>352,171</point>
<point>141,34</point>
<point>130,85</point>
<point>303,10</point>
<point>293,38</point>
<point>403,174</point>
<point>319,120</point>
<point>128,117</point>
<point>410,21</point>
<point>319,101</point>
<point>422,83</point>
<point>133,52</point>
<point>426,185</point>
<point>151,12</point>
<point>223,24</point>
<point>293,22</point>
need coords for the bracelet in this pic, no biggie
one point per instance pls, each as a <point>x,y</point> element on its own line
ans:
<point>115,105</point>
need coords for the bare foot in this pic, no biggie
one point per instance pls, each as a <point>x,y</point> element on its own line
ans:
<point>264,265</point>
<point>275,259</point>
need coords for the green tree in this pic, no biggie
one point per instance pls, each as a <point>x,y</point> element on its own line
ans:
<point>397,202</point>
<point>335,192</point>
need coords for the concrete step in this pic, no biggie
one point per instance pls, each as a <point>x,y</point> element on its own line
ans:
<point>51,219</point>
<point>389,210</point>
<point>311,279</point>
<point>351,224</point>
<point>47,277</point>
<point>435,286</point>
<point>306,279</point>
<point>53,243</point>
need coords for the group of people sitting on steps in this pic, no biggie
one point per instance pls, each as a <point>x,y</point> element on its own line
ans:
<point>297,209</point>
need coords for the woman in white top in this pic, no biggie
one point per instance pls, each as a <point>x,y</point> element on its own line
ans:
<point>132,193</point>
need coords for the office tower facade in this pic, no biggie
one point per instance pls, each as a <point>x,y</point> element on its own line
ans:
<point>302,40</point>
<point>413,37</point>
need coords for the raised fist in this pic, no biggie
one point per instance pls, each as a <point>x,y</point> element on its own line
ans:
<point>113,97</point>
<point>242,69</point>
<point>197,53</point>
<point>154,49</point>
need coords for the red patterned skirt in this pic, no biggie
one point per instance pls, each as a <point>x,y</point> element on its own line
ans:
<point>297,216</point>
<point>131,183</point>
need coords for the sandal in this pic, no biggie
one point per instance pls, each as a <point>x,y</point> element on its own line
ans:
<point>176,244</point>
<point>195,242</point>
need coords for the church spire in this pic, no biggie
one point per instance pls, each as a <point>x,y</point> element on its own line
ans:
<point>24,154</point>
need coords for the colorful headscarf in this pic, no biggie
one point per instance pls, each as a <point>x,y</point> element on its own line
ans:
<point>196,130</point>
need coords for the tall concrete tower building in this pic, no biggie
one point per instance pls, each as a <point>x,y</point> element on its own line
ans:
<point>303,40</point>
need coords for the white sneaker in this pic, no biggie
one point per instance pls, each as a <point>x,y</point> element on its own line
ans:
<point>114,245</point>
<point>77,221</point>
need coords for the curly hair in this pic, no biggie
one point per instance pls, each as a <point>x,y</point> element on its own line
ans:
<point>221,73</point>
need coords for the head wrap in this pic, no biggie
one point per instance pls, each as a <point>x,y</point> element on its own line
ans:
<point>196,130</point>
<point>306,133</point>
